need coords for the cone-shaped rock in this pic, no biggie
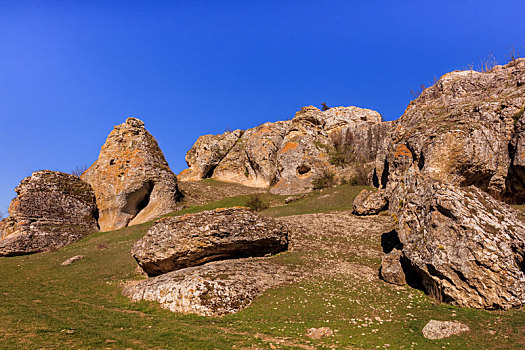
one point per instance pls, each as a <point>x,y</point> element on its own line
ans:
<point>131,178</point>
<point>51,210</point>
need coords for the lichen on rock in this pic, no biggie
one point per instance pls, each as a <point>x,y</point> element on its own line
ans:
<point>51,210</point>
<point>131,178</point>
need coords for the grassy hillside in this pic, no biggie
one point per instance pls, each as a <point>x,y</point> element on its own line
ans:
<point>46,305</point>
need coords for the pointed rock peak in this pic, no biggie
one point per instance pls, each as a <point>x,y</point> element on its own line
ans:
<point>134,122</point>
<point>131,178</point>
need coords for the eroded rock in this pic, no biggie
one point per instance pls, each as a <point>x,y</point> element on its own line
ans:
<point>213,289</point>
<point>466,247</point>
<point>467,129</point>
<point>287,156</point>
<point>194,239</point>
<point>370,202</point>
<point>131,178</point>
<point>51,210</point>
<point>443,329</point>
<point>391,268</point>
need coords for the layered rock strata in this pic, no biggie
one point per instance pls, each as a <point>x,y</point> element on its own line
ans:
<point>131,178</point>
<point>51,210</point>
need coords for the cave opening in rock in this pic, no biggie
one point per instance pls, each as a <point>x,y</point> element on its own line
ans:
<point>384,174</point>
<point>209,172</point>
<point>390,241</point>
<point>303,170</point>
<point>138,200</point>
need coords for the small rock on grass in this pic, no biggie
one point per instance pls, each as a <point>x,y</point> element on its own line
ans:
<point>443,329</point>
<point>72,259</point>
<point>318,333</point>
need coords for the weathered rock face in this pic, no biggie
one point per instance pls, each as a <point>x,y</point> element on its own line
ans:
<point>443,329</point>
<point>288,155</point>
<point>214,289</point>
<point>206,154</point>
<point>463,246</point>
<point>467,129</point>
<point>370,202</point>
<point>51,210</point>
<point>131,178</point>
<point>194,239</point>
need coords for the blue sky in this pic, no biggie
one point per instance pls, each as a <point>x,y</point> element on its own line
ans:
<point>71,70</point>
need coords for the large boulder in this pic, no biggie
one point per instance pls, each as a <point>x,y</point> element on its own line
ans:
<point>370,202</point>
<point>194,239</point>
<point>466,129</point>
<point>287,156</point>
<point>131,178</point>
<point>51,210</point>
<point>459,244</point>
<point>213,289</point>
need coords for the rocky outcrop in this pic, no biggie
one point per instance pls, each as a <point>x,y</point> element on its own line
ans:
<point>214,289</point>
<point>51,210</point>
<point>194,239</point>
<point>206,154</point>
<point>131,178</point>
<point>466,129</point>
<point>288,155</point>
<point>370,202</point>
<point>459,244</point>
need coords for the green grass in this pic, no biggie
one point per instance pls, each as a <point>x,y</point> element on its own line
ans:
<point>325,201</point>
<point>46,305</point>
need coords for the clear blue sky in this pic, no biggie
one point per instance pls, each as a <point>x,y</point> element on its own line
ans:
<point>71,70</point>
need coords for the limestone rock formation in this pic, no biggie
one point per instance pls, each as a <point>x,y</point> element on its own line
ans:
<point>461,244</point>
<point>370,202</point>
<point>391,268</point>
<point>206,154</point>
<point>288,155</point>
<point>194,239</point>
<point>131,178</point>
<point>467,129</point>
<point>443,329</point>
<point>213,289</point>
<point>51,210</point>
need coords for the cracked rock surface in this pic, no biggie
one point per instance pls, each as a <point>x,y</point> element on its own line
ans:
<point>194,239</point>
<point>131,178</point>
<point>51,210</point>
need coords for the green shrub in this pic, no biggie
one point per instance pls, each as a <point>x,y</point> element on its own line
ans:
<point>324,180</point>
<point>255,202</point>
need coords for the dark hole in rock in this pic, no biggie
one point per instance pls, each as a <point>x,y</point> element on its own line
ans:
<point>138,200</point>
<point>384,175</point>
<point>421,161</point>
<point>412,277</point>
<point>209,172</point>
<point>390,241</point>
<point>375,179</point>
<point>303,169</point>
<point>112,161</point>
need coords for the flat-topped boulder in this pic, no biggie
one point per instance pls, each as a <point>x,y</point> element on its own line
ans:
<point>131,178</point>
<point>193,239</point>
<point>459,244</point>
<point>213,289</point>
<point>51,210</point>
